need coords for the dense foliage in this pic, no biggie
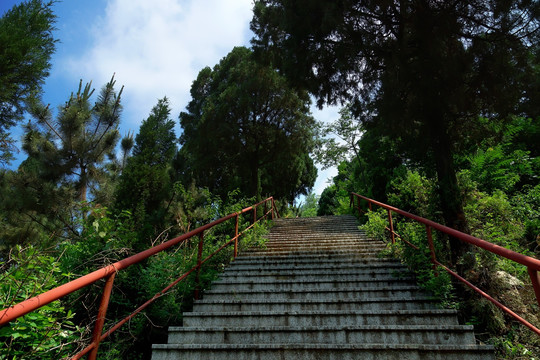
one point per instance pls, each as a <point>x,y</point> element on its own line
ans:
<point>498,217</point>
<point>76,144</point>
<point>440,118</point>
<point>246,128</point>
<point>145,187</point>
<point>498,180</point>
<point>420,72</point>
<point>26,47</point>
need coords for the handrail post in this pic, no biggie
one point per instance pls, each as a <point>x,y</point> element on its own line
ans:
<point>236,238</point>
<point>359,208</point>
<point>102,312</point>
<point>393,237</point>
<point>369,205</point>
<point>535,279</point>
<point>265,209</point>
<point>254,214</point>
<point>432,249</point>
<point>273,208</point>
<point>199,260</point>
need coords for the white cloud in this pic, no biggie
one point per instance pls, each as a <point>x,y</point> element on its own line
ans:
<point>156,48</point>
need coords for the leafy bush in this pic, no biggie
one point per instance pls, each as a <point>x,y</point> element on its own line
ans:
<point>418,261</point>
<point>47,333</point>
<point>436,281</point>
<point>414,193</point>
<point>375,226</point>
<point>494,219</point>
<point>105,238</point>
<point>526,205</point>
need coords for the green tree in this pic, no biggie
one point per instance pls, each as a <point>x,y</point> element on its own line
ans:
<point>423,70</point>
<point>146,185</point>
<point>75,145</point>
<point>112,170</point>
<point>26,46</point>
<point>310,205</point>
<point>246,128</point>
<point>328,201</point>
<point>67,159</point>
<point>347,131</point>
<point>33,207</point>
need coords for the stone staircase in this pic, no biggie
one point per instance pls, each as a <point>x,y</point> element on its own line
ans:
<point>319,291</point>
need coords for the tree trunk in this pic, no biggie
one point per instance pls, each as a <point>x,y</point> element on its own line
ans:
<point>449,193</point>
<point>436,86</point>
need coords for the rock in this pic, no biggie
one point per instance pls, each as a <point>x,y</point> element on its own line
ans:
<point>506,280</point>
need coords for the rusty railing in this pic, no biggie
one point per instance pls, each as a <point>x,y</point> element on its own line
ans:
<point>109,272</point>
<point>532,264</point>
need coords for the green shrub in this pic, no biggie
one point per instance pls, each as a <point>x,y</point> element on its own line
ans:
<point>526,205</point>
<point>414,193</point>
<point>494,219</point>
<point>436,281</point>
<point>47,333</point>
<point>375,226</point>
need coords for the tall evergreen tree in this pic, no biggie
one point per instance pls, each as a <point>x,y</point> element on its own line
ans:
<point>66,158</point>
<point>422,69</point>
<point>76,144</point>
<point>145,187</point>
<point>26,46</point>
<point>246,128</point>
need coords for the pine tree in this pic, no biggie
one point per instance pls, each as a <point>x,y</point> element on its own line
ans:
<point>76,144</point>
<point>26,47</point>
<point>145,187</point>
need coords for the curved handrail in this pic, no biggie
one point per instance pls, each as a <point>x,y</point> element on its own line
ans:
<point>109,272</point>
<point>532,264</point>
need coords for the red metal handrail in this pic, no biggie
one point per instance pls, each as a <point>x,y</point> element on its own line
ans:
<point>532,264</point>
<point>109,272</point>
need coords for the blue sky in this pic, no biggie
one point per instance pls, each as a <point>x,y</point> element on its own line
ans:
<point>156,48</point>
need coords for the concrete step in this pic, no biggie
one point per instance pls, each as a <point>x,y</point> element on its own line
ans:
<point>321,318</point>
<point>321,229</point>
<point>358,251</point>
<point>346,233</point>
<point>302,243</point>
<point>320,247</point>
<point>270,277</point>
<point>292,260</point>
<point>394,291</point>
<point>311,246</point>
<point>329,252</point>
<point>370,334</point>
<point>321,352</point>
<point>302,236</point>
<point>324,284</point>
<point>327,266</point>
<point>308,238</point>
<point>214,304</point>
<point>314,273</point>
